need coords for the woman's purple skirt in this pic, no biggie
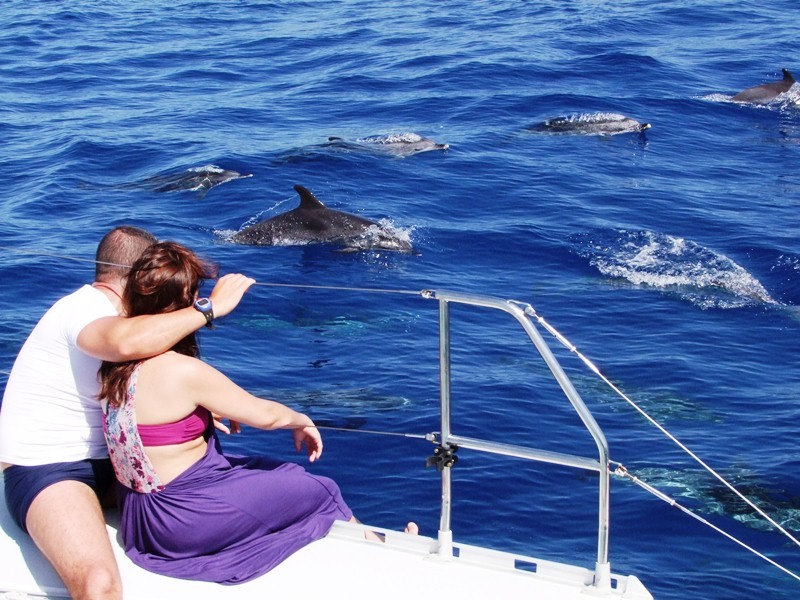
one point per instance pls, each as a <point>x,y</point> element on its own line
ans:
<point>228,519</point>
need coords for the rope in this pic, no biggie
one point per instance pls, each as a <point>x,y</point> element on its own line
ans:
<point>623,472</point>
<point>431,437</point>
<point>529,310</point>
<point>342,288</point>
<point>64,256</point>
<point>263,284</point>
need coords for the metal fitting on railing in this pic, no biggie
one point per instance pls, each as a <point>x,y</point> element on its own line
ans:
<point>443,457</point>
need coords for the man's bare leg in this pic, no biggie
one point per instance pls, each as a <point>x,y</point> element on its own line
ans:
<point>67,524</point>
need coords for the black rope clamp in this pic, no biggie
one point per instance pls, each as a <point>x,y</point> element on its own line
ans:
<point>443,456</point>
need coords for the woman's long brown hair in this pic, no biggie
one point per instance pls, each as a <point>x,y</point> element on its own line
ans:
<point>165,278</point>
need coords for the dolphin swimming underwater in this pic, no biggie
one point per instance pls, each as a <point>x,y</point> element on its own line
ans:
<point>197,179</point>
<point>394,144</point>
<point>312,222</point>
<point>592,124</point>
<point>764,94</point>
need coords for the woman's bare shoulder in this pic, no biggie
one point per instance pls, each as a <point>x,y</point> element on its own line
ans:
<point>191,379</point>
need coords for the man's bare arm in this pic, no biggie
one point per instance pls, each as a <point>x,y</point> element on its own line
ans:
<point>119,339</point>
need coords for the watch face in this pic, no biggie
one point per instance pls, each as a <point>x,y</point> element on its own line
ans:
<point>203,304</point>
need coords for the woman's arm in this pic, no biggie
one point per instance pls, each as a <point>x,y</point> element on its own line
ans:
<point>206,386</point>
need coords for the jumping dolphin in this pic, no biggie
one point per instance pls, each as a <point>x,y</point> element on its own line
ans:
<point>764,94</point>
<point>395,144</point>
<point>592,124</point>
<point>312,222</point>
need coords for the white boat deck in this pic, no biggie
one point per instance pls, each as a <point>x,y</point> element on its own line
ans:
<point>343,564</point>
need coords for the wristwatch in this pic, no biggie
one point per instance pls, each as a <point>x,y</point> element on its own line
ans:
<point>204,306</point>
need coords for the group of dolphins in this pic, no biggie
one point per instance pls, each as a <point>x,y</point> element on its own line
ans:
<point>613,123</point>
<point>312,222</point>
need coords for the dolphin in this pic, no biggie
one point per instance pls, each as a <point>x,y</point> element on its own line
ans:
<point>394,144</point>
<point>592,124</point>
<point>197,179</point>
<point>312,222</point>
<point>764,94</point>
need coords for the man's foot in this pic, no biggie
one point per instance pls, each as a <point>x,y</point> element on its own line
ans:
<point>412,528</point>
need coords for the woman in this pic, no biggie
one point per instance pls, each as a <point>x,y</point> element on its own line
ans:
<point>186,510</point>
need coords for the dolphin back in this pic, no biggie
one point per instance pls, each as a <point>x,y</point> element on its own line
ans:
<point>766,93</point>
<point>312,222</point>
<point>592,124</point>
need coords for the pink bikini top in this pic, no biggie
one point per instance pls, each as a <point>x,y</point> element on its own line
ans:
<point>178,432</point>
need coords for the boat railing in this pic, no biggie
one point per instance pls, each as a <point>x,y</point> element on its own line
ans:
<point>450,441</point>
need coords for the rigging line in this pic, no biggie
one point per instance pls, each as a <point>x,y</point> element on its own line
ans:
<point>64,256</point>
<point>530,311</point>
<point>428,436</point>
<point>623,472</point>
<point>342,288</point>
<point>258,283</point>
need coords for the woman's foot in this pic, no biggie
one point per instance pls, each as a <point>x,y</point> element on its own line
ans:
<point>411,529</point>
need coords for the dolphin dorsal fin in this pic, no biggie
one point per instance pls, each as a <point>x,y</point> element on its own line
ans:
<point>787,76</point>
<point>307,199</point>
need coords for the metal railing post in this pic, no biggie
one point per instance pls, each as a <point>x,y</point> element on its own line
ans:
<point>445,549</point>
<point>602,573</point>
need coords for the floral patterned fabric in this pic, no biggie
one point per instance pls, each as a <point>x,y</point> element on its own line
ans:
<point>131,465</point>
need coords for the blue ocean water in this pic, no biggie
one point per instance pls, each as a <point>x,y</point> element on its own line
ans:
<point>670,259</point>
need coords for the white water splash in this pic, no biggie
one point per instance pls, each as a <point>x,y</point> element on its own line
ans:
<point>599,117</point>
<point>408,137</point>
<point>704,277</point>
<point>382,232</point>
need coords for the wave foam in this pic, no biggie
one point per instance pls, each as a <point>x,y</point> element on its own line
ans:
<point>704,277</point>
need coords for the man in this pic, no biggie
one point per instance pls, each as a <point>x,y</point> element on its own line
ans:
<point>52,447</point>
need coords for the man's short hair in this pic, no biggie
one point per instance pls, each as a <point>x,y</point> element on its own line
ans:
<point>118,249</point>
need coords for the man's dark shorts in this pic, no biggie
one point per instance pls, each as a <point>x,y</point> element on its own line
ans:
<point>23,484</point>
